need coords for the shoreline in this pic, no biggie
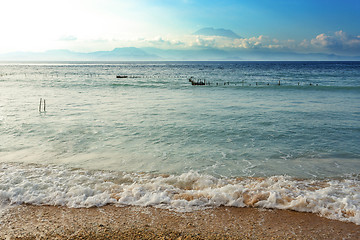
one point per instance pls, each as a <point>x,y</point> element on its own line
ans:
<point>131,222</point>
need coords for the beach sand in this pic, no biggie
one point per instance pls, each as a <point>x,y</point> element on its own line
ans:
<point>110,222</point>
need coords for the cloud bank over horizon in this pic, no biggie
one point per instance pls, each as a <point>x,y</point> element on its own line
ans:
<point>338,42</point>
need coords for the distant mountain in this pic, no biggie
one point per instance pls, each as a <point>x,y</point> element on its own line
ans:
<point>216,32</point>
<point>156,54</point>
<point>118,54</point>
<point>209,54</point>
<point>127,53</point>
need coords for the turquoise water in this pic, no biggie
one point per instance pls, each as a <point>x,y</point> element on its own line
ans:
<point>156,121</point>
<point>244,124</point>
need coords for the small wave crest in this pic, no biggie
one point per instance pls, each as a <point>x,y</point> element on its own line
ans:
<point>57,185</point>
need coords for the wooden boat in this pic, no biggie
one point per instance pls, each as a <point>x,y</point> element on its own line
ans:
<point>196,82</point>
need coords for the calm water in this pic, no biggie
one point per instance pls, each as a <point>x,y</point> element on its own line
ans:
<point>155,122</point>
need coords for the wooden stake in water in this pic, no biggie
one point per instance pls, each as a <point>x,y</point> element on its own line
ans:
<point>40,105</point>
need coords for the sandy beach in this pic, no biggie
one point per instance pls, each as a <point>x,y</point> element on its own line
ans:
<point>110,222</point>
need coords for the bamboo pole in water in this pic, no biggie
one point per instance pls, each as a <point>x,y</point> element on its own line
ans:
<point>40,105</point>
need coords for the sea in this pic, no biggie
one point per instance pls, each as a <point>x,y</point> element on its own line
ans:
<point>183,136</point>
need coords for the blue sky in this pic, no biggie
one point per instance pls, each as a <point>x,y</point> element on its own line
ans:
<point>327,26</point>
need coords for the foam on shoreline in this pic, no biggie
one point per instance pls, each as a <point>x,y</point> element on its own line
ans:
<point>76,188</point>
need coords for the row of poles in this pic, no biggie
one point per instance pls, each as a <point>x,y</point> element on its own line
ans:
<point>95,75</point>
<point>194,81</point>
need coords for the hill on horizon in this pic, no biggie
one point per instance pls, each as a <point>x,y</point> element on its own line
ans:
<point>221,32</point>
<point>157,54</point>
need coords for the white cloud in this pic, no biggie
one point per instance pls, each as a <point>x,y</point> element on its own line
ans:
<point>204,42</point>
<point>253,42</point>
<point>323,40</point>
<point>338,42</point>
<point>163,43</point>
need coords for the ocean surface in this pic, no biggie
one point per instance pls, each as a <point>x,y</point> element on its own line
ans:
<point>282,135</point>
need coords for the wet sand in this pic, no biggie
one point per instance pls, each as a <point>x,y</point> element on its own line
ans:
<point>110,222</point>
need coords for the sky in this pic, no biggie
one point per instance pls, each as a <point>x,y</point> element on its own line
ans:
<point>304,26</point>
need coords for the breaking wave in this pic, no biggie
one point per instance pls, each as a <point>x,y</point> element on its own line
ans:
<point>75,188</point>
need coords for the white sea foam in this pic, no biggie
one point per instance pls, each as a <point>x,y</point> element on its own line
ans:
<point>55,185</point>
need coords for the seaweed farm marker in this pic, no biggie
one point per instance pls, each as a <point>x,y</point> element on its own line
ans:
<point>44,108</point>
